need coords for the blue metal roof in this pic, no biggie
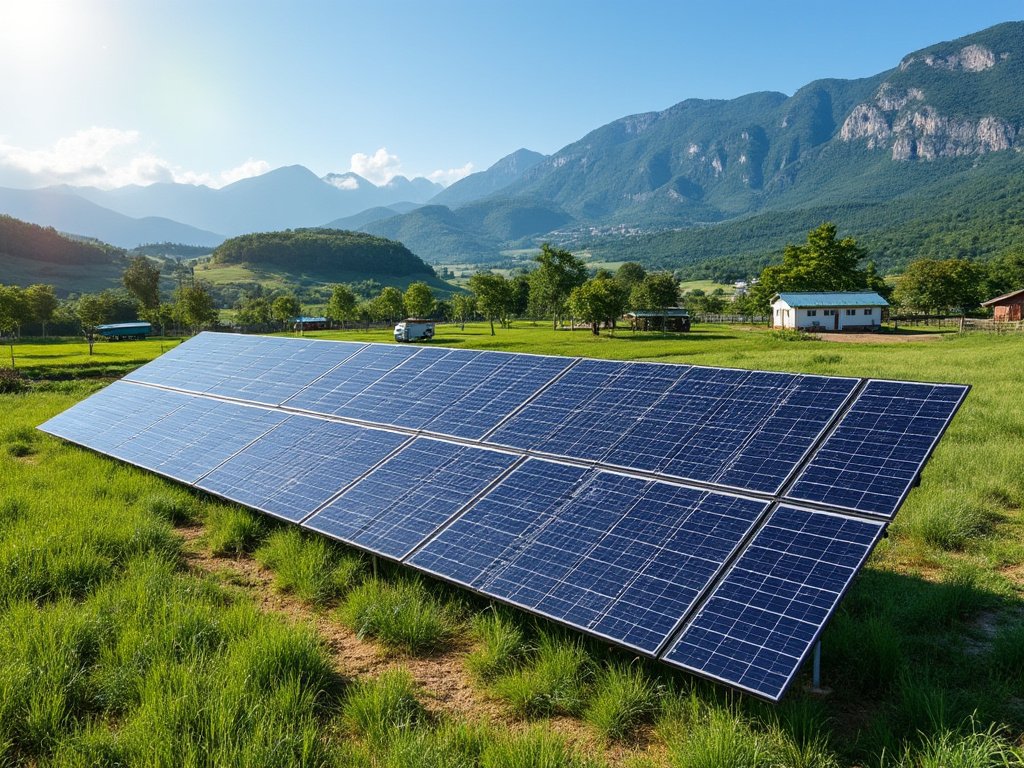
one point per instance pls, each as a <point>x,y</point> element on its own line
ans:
<point>305,319</point>
<point>832,299</point>
<point>113,326</point>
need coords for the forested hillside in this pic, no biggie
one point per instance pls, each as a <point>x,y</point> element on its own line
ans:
<point>33,254</point>
<point>323,251</point>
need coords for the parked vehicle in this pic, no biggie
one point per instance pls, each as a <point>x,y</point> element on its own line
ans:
<point>413,329</point>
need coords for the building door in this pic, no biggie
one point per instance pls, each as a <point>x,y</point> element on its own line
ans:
<point>835,320</point>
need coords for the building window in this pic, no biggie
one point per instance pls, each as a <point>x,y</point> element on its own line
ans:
<point>851,312</point>
<point>812,312</point>
<point>869,311</point>
<point>830,312</point>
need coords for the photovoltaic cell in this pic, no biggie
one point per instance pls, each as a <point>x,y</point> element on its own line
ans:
<point>293,469</point>
<point>259,369</point>
<point>395,508</point>
<point>763,617</point>
<point>872,459</point>
<point>621,557</point>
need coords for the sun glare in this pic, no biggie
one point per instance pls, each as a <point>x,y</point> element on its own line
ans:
<point>36,30</point>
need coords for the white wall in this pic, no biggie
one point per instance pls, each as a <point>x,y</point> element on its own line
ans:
<point>820,318</point>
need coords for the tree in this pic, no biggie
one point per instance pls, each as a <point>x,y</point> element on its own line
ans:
<point>194,307</point>
<point>940,286</point>
<point>823,263</point>
<point>630,274</point>
<point>520,295</point>
<point>1005,274</point>
<point>875,282</point>
<point>93,310</point>
<point>657,291</point>
<point>41,302</point>
<point>553,280</point>
<point>254,310</point>
<point>419,300</point>
<point>14,309</point>
<point>342,304</point>
<point>601,299</point>
<point>142,279</point>
<point>285,307</point>
<point>493,296</point>
<point>389,306</point>
<point>463,308</point>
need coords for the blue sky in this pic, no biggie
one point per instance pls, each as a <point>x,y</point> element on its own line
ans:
<point>109,92</point>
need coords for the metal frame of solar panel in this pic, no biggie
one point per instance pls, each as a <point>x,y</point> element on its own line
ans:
<point>711,518</point>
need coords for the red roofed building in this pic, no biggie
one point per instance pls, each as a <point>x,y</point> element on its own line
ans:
<point>1007,308</point>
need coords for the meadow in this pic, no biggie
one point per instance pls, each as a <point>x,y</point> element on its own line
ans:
<point>145,624</point>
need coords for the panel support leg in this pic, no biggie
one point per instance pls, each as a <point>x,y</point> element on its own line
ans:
<point>373,560</point>
<point>816,671</point>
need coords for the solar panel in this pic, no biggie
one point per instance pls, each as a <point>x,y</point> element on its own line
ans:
<point>330,393</point>
<point>293,469</point>
<point>744,429</point>
<point>259,369</point>
<point>872,459</point>
<point>178,435</point>
<point>709,517</point>
<point>396,507</point>
<point>618,556</point>
<point>763,618</point>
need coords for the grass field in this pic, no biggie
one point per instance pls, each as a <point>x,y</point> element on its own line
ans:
<point>143,624</point>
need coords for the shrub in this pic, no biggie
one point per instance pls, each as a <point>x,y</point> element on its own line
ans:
<point>953,527</point>
<point>308,566</point>
<point>402,615</point>
<point>788,334</point>
<point>11,382</point>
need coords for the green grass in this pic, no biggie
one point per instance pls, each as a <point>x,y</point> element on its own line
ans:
<point>554,681</point>
<point>309,566</point>
<point>402,614</point>
<point>111,653</point>
<point>624,699</point>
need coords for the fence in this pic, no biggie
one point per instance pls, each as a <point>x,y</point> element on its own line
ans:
<point>970,324</point>
<point>733,319</point>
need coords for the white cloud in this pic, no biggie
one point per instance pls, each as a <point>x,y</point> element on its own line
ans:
<point>380,167</point>
<point>451,175</point>
<point>347,183</point>
<point>105,158</point>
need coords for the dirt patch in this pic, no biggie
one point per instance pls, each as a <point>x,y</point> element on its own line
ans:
<point>444,685</point>
<point>877,338</point>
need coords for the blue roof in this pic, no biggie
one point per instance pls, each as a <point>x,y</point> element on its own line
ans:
<point>832,299</point>
<point>304,319</point>
<point>113,326</point>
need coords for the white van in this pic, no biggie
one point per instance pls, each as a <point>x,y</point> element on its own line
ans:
<point>414,330</point>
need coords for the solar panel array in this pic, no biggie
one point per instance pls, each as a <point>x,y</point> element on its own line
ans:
<point>711,518</point>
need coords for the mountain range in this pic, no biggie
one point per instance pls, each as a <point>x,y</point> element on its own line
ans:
<point>885,156</point>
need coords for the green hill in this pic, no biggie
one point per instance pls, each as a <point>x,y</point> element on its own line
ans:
<point>33,254</point>
<point>305,257</point>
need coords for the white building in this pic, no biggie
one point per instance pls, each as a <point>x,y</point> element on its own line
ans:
<point>839,311</point>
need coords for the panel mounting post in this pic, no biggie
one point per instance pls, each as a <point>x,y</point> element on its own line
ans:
<point>816,670</point>
<point>373,560</point>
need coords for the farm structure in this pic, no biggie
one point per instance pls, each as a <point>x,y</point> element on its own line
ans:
<point>830,311</point>
<point>1008,308</point>
<point>311,324</point>
<point>125,331</point>
<point>668,319</point>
